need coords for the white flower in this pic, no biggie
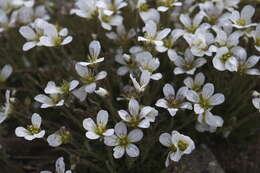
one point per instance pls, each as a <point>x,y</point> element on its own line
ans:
<point>243,20</point>
<point>226,39</point>
<point>55,94</point>
<point>51,87</point>
<point>138,117</point>
<point>7,21</point>
<point>85,9</point>
<point>59,137</point>
<point>128,61</point>
<point>111,7</point>
<point>60,167</point>
<point>32,131</point>
<point>123,142</point>
<point>187,64</point>
<point>49,101</point>
<point>209,122</point>
<point>164,5</point>
<point>225,60</point>
<point>199,42</point>
<point>144,81</point>
<point>32,33</point>
<point>147,13</point>
<point>245,64</point>
<point>190,26</point>
<point>152,36</point>
<point>5,73</point>
<point>205,100</point>
<point>147,62</point>
<point>121,34</point>
<point>94,51</point>
<point>7,109</point>
<point>89,80</point>
<point>173,101</point>
<point>256,37</point>
<point>213,12</point>
<point>107,21</point>
<point>197,83</point>
<point>99,129</point>
<point>170,41</point>
<point>53,36</point>
<point>178,144</point>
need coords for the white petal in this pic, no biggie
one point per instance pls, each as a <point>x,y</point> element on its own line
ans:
<point>256,103</point>
<point>199,79</point>
<point>94,48</point>
<point>135,135</point>
<point>162,34</point>
<point>188,82</point>
<point>92,135</point>
<point>162,8</point>
<point>36,120</point>
<point>247,12</point>
<point>67,40</point>
<point>90,88</point>
<point>162,103</point>
<point>217,63</point>
<point>54,140</point>
<point>73,84</point>
<point>192,96</point>
<point>252,61</point>
<point>46,41</point>
<point>102,117</point>
<point>168,90</point>
<point>27,32</point>
<point>101,75</point>
<point>118,152</point>
<point>122,70</point>
<point>185,20</point>
<point>82,71</point>
<point>21,132</point>
<point>172,111</point>
<point>124,115</point>
<point>214,120</point>
<point>108,132</point>
<point>40,135</point>
<point>133,107</point>
<point>6,71</point>
<point>80,93</point>
<point>89,124</point>
<point>217,99</point>
<point>165,139</point>
<point>207,90</point>
<point>60,165</point>
<point>29,45</point>
<point>145,123</point>
<point>132,150</point>
<point>151,28</point>
<point>51,88</point>
<point>111,140</point>
<point>198,109</point>
<point>231,64</point>
<point>120,129</point>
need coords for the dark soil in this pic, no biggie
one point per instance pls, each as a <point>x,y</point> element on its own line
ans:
<point>237,157</point>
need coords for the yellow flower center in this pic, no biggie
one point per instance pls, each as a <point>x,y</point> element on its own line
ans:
<point>123,141</point>
<point>182,145</point>
<point>33,130</point>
